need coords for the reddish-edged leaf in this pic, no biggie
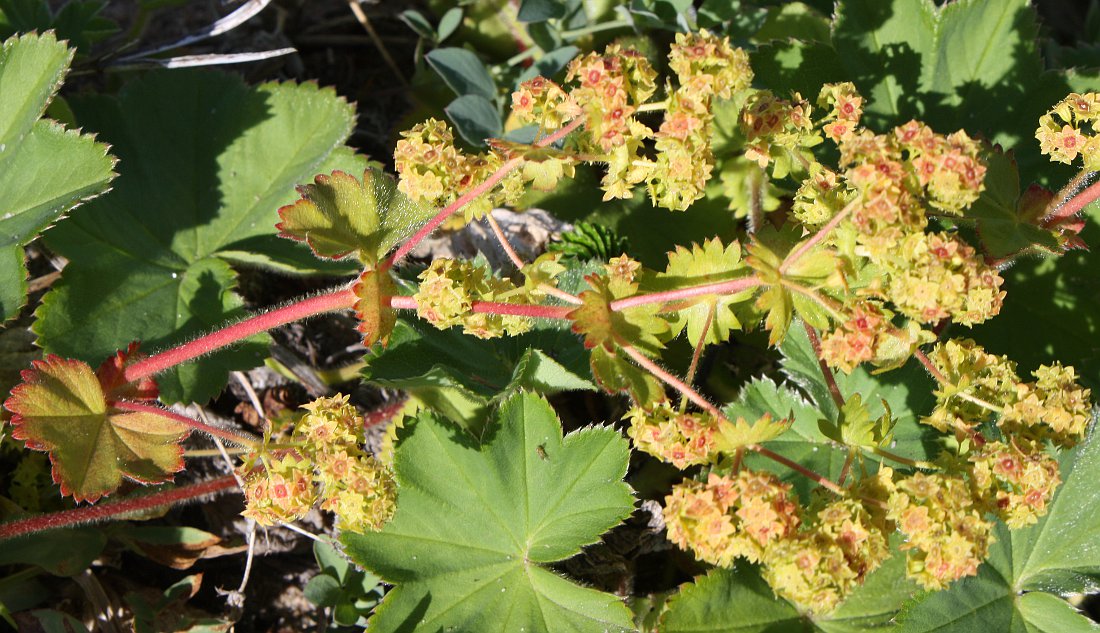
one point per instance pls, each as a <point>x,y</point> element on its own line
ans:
<point>1011,223</point>
<point>372,306</point>
<point>339,215</point>
<point>60,408</point>
<point>115,386</point>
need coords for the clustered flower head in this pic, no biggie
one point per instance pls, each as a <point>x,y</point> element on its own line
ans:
<point>947,533</point>
<point>542,101</point>
<point>611,87</point>
<point>1015,481</point>
<point>732,516</point>
<point>447,293</point>
<point>855,341</point>
<point>681,439</point>
<point>845,109</point>
<point>1069,130</point>
<point>981,386</point>
<point>935,276</point>
<point>820,197</point>
<point>982,377</point>
<point>822,563</point>
<point>434,172</point>
<point>814,560</point>
<point>329,465</point>
<point>772,125</point>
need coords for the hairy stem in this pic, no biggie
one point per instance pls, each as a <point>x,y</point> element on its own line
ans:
<point>702,402</point>
<point>830,378</point>
<point>915,463</point>
<point>846,467</point>
<point>817,237</point>
<point>730,287</point>
<point>932,369</point>
<point>472,194</point>
<point>664,376</point>
<point>225,434</point>
<point>697,354</point>
<point>823,481</point>
<point>239,331</point>
<point>1074,205</point>
<point>108,510</point>
<point>503,239</point>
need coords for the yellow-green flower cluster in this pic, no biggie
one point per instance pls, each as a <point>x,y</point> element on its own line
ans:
<point>732,516</point>
<point>681,439</point>
<point>436,173</point>
<point>820,197</point>
<point>447,293</point>
<point>1070,129</point>
<point>329,465</point>
<point>936,276</point>
<point>542,101</point>
<point>611,87</point>
<point>708,66</point>
<point>1054,407</point>
<point>821,564</point>
<point>845,109</point>
<point>1015,481</point>
<point>771,124</point>
<point>948,168</point>
<point>947,533</point>
<point>972,377</point>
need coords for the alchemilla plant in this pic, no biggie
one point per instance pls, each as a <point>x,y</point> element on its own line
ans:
<point>907,473</point>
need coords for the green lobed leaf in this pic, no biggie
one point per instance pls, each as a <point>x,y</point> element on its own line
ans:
<point>341,214</point>
<point>206,161</point>
<point>459,375</point>
<point>1062,296</point>
<point>35,187</point>
<point>476,523</point>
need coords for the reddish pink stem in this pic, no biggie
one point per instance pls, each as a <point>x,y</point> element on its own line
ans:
<point>225,434</point>
<point>492,307</point>
<point>472,194</point>
<point>1074,205</point>
<point>313,306</point>
<point>730,287</point>
<point>824,482</point>
<point>932,369</point>
<point>830,378</point>
<point>104,511</point>
<point>816,239</point>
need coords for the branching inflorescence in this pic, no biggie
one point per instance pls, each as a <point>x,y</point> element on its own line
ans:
<point>862,259</point>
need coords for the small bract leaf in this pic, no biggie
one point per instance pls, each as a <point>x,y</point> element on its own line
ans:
<point>616,374</point>
<point>60,408</point>
<point>372,306</point>
<point>710,263</point>
<point>339,215</point>
<point>737,434</point>
<point>475,525</point>
<point>1010,223</point>
<point>336,215</point>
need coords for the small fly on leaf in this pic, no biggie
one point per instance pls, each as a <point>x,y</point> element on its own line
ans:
<point>541,450</point>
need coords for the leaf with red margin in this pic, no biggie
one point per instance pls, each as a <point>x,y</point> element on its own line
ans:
<point>1011,223</point>
<point>339,215</point>
<point>60,408</point>
<point>115,386</point>
<point>372,291</point>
